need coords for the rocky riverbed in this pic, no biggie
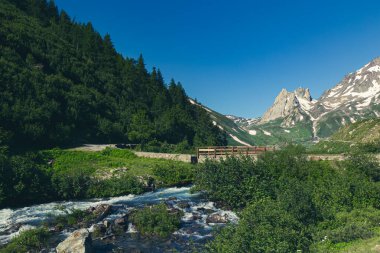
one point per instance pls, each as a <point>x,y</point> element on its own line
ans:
<point>111,230</point>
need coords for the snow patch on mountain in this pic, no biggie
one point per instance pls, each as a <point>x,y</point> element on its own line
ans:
<point>267,133</point>
<point>238,140</point>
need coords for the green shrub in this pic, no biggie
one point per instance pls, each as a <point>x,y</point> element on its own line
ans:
<point>364,163</point>
<point>71,184</point>
<point>24,179</point>
<point>28,241</point>
<point>72,217</point>
<point>264,227</point>
<point>156,220</point>
<point>174,174</point>
<point>348,226</point>
<point>114,186</point>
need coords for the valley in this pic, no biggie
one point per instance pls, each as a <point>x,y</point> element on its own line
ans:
<point>100,152</point>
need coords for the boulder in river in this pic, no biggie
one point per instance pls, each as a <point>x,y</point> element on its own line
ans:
<point>183,204</point>
<point>78,242</point>
<point>100,211</point>
<point>217,218</point>
<point>120,221</point>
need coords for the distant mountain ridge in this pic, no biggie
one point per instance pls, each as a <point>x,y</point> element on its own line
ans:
<point>296,116</point>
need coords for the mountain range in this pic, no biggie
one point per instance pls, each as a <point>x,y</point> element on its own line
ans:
<point>296,117</point>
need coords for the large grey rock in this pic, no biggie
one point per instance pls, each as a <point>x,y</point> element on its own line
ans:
<point>78,242</point>
<point>101,211</point>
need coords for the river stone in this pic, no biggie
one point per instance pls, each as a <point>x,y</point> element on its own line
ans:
<point>107,223</point>
<point>204,210</point>
<point>183,204</point>
<point>101,211</point>
<point>216,218</point>
<point>120,221</point>
<point>78,242</point>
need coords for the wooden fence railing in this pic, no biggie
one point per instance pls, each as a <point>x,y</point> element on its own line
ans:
<point>231,150</point>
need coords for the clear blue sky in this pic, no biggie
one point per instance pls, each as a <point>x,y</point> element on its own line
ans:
<point>235,56</point>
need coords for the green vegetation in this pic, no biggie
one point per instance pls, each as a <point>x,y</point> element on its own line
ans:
<point>72,218</point>
<point>62,83</point>
<point>231,127</point>
<point>30,179</point>
<point>360,136</point>
<point>32,240</point>
<point>300,133</point>
<point>355,246</point>
<point>288,203</point>
<point>364,131</point>
<point>156,220</point>
<point>174,175</point>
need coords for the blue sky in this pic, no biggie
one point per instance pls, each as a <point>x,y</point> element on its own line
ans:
<point>235,56</point>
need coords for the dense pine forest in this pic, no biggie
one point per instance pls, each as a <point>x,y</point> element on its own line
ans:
<point>63,84</point>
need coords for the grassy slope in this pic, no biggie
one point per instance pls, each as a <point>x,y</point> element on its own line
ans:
<point>363,132</point>
<point>332,122</point>
<point>356,246</point>
<point>103,163</point>
<point>348,137</point>
<point>231,127</point>
<point>300,133</point>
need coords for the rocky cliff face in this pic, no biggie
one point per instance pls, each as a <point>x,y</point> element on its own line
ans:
<point>291,106</point>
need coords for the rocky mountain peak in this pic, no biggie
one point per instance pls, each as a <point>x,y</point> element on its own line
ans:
<point>303,93</point>
<point>288,103</point>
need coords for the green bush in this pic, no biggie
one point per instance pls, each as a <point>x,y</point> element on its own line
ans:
<point>114,186</point>
<point>264,227</point>
<point>71,184</point>
<point>24,179</point>
<point>71,217</point>
<point>346,227</point>
<point>364,163</point>
<point>156,220</point>
<point>28,241</point>
<point>174,174</point>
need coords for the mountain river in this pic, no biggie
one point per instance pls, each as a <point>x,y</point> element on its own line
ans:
<point>196,229</point>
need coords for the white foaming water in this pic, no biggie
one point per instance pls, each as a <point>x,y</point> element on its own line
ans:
<point>194,218</point>
<point>131,228</point>
<point>11,220</point>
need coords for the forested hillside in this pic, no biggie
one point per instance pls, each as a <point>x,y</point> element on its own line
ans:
<point>62,83</point>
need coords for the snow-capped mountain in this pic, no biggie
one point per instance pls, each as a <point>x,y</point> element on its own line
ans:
<point>297,117</point>
<point>356,97</point>
<point>357,90</point>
